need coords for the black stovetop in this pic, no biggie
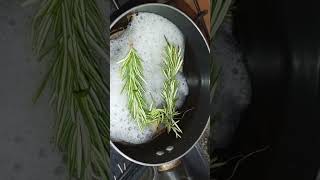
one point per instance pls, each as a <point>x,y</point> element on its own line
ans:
<point>194,162</point>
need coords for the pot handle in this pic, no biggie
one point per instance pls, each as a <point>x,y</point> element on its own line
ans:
<point>173,171</point>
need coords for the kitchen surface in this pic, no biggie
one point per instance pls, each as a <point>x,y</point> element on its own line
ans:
<point>26,151</point>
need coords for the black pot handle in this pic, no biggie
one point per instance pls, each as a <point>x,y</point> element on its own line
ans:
<point>173,171</point>
<point>170,171</point>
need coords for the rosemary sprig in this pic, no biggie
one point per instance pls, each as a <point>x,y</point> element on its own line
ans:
<point>71,34</point>
<point>132,75</point>
<point>172,65</point>
<point>219,9</point>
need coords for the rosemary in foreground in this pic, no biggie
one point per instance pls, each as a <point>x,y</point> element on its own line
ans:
<point>172,65</point>
<point>71,34</point>
<point>132,75</point>
<point>219,9</point>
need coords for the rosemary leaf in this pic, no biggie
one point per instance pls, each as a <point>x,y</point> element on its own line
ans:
<point>219,10</point>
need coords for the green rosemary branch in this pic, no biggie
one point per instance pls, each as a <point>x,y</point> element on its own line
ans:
<point>219,9</point>
<point>172,65</point>
<point>71,35</point>
<point>132,75</point>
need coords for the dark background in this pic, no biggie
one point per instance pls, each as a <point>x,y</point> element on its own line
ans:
<point>280,43</point>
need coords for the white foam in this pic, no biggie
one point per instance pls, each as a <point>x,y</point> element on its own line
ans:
<point>146,33</point>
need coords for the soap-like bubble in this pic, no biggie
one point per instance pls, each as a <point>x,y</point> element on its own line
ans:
<point>146,34</point>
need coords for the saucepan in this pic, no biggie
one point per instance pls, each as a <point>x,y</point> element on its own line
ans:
<point>165,150</point>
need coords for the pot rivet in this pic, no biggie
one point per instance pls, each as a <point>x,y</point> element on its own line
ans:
<point>160,153</point>
<point>169,148</point>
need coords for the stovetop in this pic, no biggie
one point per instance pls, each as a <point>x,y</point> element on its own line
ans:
<point>122,169</point>
<point>195,162</point>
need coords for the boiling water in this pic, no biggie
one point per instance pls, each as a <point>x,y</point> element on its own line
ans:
<point>146,34</point>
